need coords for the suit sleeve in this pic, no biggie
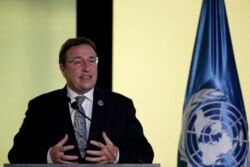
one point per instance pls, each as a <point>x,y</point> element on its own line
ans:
<point>29,145</point>
<point>137,149</point>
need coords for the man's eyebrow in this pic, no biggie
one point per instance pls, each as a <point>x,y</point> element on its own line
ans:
<point>77,57</point>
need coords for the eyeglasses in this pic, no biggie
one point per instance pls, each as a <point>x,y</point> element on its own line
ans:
<point>78,62</point>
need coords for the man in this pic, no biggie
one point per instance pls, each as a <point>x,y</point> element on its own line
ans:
<point>102,128</point>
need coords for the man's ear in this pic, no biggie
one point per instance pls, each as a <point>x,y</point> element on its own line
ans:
<point>62,68</point>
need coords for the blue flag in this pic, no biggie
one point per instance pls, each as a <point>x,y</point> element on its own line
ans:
<point>214,127</point>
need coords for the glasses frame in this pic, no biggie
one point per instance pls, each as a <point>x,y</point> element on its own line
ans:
<point>78,61</point>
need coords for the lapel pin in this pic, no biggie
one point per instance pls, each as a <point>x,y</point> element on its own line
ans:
<point>100,103</point>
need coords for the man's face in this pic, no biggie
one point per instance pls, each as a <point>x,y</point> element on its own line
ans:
<point>80,69</point>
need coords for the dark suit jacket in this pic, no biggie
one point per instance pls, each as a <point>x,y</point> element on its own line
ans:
<point>48,120</point>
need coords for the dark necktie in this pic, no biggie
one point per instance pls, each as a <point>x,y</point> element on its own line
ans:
<point>80,126</point>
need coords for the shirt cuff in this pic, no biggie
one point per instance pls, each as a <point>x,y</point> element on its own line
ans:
<point>49,160</point>
<point>117,157</point>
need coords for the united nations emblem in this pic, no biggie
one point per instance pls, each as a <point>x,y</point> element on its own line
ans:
<point>215,134</point>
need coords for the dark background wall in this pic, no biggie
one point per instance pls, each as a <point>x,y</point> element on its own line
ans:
<point>94,20</point>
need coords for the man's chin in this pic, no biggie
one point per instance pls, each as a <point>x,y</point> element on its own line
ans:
<point>86,88</point>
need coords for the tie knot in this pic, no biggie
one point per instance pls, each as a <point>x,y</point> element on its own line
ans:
<point>79,100</point>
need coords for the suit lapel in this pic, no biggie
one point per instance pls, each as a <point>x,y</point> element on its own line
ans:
<point>97,115</point>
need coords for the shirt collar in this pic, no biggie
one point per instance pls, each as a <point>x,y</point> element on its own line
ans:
<point>71,94</point>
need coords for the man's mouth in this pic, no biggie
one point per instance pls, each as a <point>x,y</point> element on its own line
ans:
<point>85,77</point>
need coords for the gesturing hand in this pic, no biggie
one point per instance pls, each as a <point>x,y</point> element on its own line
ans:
<point>57,152</point>
<point>107,153</point>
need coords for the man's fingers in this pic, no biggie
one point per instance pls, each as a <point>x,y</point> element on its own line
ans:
<point>94,153</point>
<point>94,159</point>
<point>113,150</point>
<point>97,144</point>
<point>57,152</point>
<point>106,139</point>
<point>69,158</point>
<point>107,153</point>
<point>63,141</point>
<point>66,148</point>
